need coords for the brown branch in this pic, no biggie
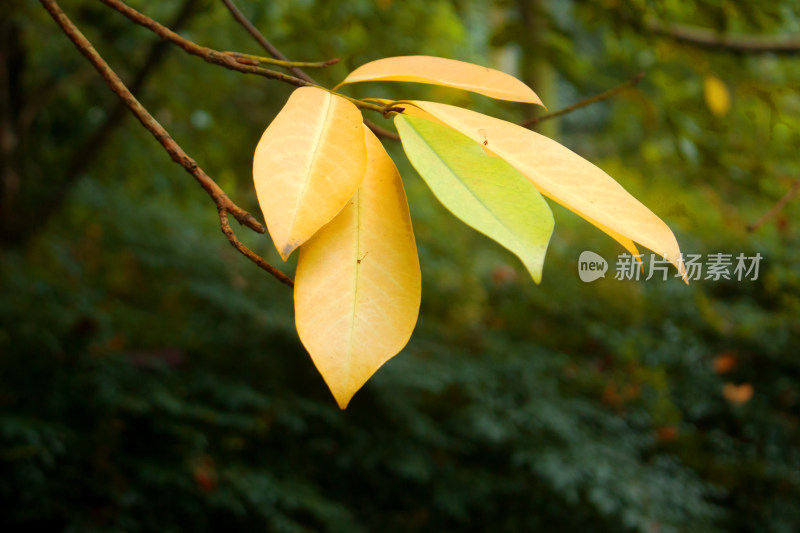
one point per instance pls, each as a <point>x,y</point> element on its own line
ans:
<point>249,59</point>
<point>261,40</point>
<point>208,54</point>
<point>247,252</point>
<point>91,147</point>
<point>587,102</point>
<point>274,52</point>
<point>785,199</point>
<point>222,59</point>
<point>224,204</point>
<point>709,39</point>
<point>381,132</point>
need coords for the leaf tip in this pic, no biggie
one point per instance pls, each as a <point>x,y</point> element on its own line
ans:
<point>535,269</point>
<point>286,250</point>
<point>342,390</point>
<point>343,400</point>
<point>535,100</point>
<point>677,260</point>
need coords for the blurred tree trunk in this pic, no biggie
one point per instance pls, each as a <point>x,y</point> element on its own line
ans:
<point>26,204</point>
<point>11,64</point>
<point>535,66</point>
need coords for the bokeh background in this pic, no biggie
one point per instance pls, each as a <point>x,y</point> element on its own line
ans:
<point>151,378</point>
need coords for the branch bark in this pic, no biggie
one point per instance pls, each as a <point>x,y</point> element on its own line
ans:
<point>91,147</point>
<point>274,52</point>
<point>586,102</point>
<point>261,40</point>
<point>208,54</point>
<point>709,39</point>
<point>224,204</point>
<point>223,59</point>
<point>785,199</point>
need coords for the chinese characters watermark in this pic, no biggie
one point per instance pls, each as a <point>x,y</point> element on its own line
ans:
<point>712,267</point>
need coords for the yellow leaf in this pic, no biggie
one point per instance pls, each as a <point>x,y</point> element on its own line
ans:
<point>624,241</point>
<point>567,178</point>
<point>308,164</point>
<point>717,96</point>
<point>357,286</point>
<point>447,72</point>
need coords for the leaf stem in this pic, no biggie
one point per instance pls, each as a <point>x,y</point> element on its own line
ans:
<point>250,59</point>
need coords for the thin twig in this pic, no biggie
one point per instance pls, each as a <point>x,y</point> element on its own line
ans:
<point>261,40</point>
<point>709,39</point>
<point>222,59</point>
<point>91,147</point>
<point>587,102</point>
<point>785,199</point>
<point>381,132</point>
<point>274,52</point>
<point>247,252</point>
<point>224,204</point>
<point>249,59</point>
<point>208,54</point>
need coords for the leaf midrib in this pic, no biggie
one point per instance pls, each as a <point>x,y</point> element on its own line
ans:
<point>486,208</point>
<point>317,142</point>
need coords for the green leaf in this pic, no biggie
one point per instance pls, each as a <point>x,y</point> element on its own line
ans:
<point>483,191</point>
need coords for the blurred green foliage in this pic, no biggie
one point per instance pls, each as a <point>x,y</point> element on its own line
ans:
<point>151,378</point>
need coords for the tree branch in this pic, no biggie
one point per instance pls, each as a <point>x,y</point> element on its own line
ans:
<point>274,52</point>
<point>208,54</point>
<point>224,204</point>
<point>223,59</point>
<point>261,40</point>
<point>785,199</point>
<point>92,146</point>
<point>247,252</point>
<point>709,39</point>
<point>249,59</point>
<point>587,102</point>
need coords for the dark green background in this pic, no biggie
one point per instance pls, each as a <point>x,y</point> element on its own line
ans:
<point>151,378</point>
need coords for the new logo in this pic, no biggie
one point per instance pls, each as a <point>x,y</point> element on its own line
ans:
<point>591,266</point>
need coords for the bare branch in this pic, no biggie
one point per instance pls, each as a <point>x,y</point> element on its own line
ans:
<point>223,59</point>
<point>381,132</point>
<point>249,59</point>
<point>247,252</point>
<point>274,52</point>
<point>224,204</point>
<point>709,39</point>
<point>785,199</point>
<point>261,40</point>
<point>587,102</point>
<point>83,155</point>
<point>208,54</point>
